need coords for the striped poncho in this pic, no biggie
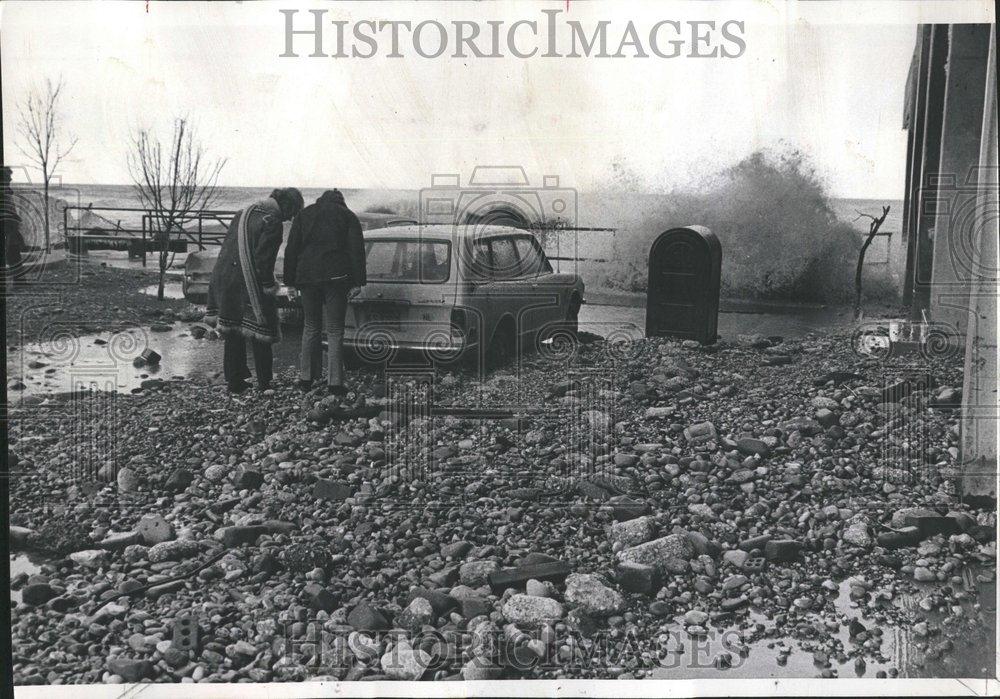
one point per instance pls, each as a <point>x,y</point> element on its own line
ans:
<point>241,295</point>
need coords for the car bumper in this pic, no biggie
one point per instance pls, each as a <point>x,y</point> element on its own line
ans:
<point>455,347</point>
<point>196,291</point>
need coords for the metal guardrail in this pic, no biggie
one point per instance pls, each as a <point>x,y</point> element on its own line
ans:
<point>884,258</point>
<point>192,230</point>
<point>145,238</point>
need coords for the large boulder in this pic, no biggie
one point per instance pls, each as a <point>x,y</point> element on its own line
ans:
<point>38,593</point>
<point>531,611</point>
<point>404,662</point>
<point>659,552</point>
<point>365,617</point>
<point>128,480</point>
<point>633,532</point>
<point>176,550</point>
<point>418,613</point>
<point>93,558</point>
<point>857,533</point>
<point>591,594</point>
<point>908,516</point>
<point>129,669</point>
<point>154,529</point>
<point>477,573</point>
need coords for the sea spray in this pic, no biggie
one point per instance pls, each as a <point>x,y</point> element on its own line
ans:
<point>780,235</point>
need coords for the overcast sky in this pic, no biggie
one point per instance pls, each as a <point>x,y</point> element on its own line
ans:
<point>831,84</point>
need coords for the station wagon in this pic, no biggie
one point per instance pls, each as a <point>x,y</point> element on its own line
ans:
<point>450,290</point>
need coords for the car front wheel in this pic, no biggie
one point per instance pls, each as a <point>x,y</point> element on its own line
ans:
<point>572,321</point>
<point>501,348</point>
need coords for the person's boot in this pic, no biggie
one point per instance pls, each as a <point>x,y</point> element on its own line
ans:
<point>238,387</point>
<point>337,390</point>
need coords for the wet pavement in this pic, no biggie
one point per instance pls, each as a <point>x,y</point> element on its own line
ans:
<point>171,290</point>
<point>104,361</point>
<point>119,259</point>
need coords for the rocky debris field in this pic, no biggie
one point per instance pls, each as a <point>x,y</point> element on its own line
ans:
<point>635,500</point>
<point>82,298</point>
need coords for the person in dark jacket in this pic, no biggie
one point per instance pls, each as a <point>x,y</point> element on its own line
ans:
<point>325,262</point>
<point>242,293</point>
<point>13,239</point>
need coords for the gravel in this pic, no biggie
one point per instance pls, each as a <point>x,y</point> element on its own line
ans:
<point>737,510</point>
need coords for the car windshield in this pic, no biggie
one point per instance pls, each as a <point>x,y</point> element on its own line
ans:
<point>415,261</point>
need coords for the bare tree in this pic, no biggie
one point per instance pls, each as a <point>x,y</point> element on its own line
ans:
<point>874,224</point>
<point>41,138</point>
<point>173,181</point>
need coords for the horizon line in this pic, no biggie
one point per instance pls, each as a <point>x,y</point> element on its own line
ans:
<point>832,195</point>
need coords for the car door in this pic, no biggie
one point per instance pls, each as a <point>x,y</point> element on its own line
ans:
<point>475,295</point>
<point>509,289</point>
<point>547,294</point>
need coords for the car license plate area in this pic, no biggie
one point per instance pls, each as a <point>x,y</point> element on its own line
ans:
<point>383,315</point>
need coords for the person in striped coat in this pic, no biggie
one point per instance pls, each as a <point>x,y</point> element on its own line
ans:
<point>242,301</point>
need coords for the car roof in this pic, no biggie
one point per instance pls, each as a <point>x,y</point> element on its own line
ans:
<point>379,217</point>
<point>444,230</point>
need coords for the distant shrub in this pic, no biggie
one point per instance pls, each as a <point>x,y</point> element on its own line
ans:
<point>780,237</point>
<point>380,209</point>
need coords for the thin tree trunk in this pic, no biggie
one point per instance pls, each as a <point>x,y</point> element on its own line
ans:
<point>164,249</point>
<point>873,227</point>
<point>46,204</point>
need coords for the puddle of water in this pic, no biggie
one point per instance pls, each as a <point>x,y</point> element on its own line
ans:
<point>26,563</point>
<point>104,361</point>
<point>601,319</point>
<point>120,260</point>
<point>973,654</point>
<point>171,290</point>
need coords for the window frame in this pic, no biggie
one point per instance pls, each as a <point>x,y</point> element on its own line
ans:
<point>544,267</point>
<point>517,258</point>
<point>469,269</point>
<point>396,258</point>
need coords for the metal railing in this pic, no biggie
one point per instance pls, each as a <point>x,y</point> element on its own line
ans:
<point>110,234</point>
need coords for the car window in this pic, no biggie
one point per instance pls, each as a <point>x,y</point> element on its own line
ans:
<point>481,267</point>
<point>530,256</point>
<point>414,261</point>
<point>504,260</point>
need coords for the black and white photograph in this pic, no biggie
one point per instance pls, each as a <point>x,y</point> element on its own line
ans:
<point>499,348</point>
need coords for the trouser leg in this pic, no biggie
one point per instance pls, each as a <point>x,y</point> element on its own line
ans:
<point>263,361</point>
<point>15,266</point>
<point>335,312</point>
<point>234,359</point>
<point>311,356</point>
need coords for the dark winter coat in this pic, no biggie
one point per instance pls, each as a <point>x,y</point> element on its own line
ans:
<point>325,245</point>
<point>241,294</point>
